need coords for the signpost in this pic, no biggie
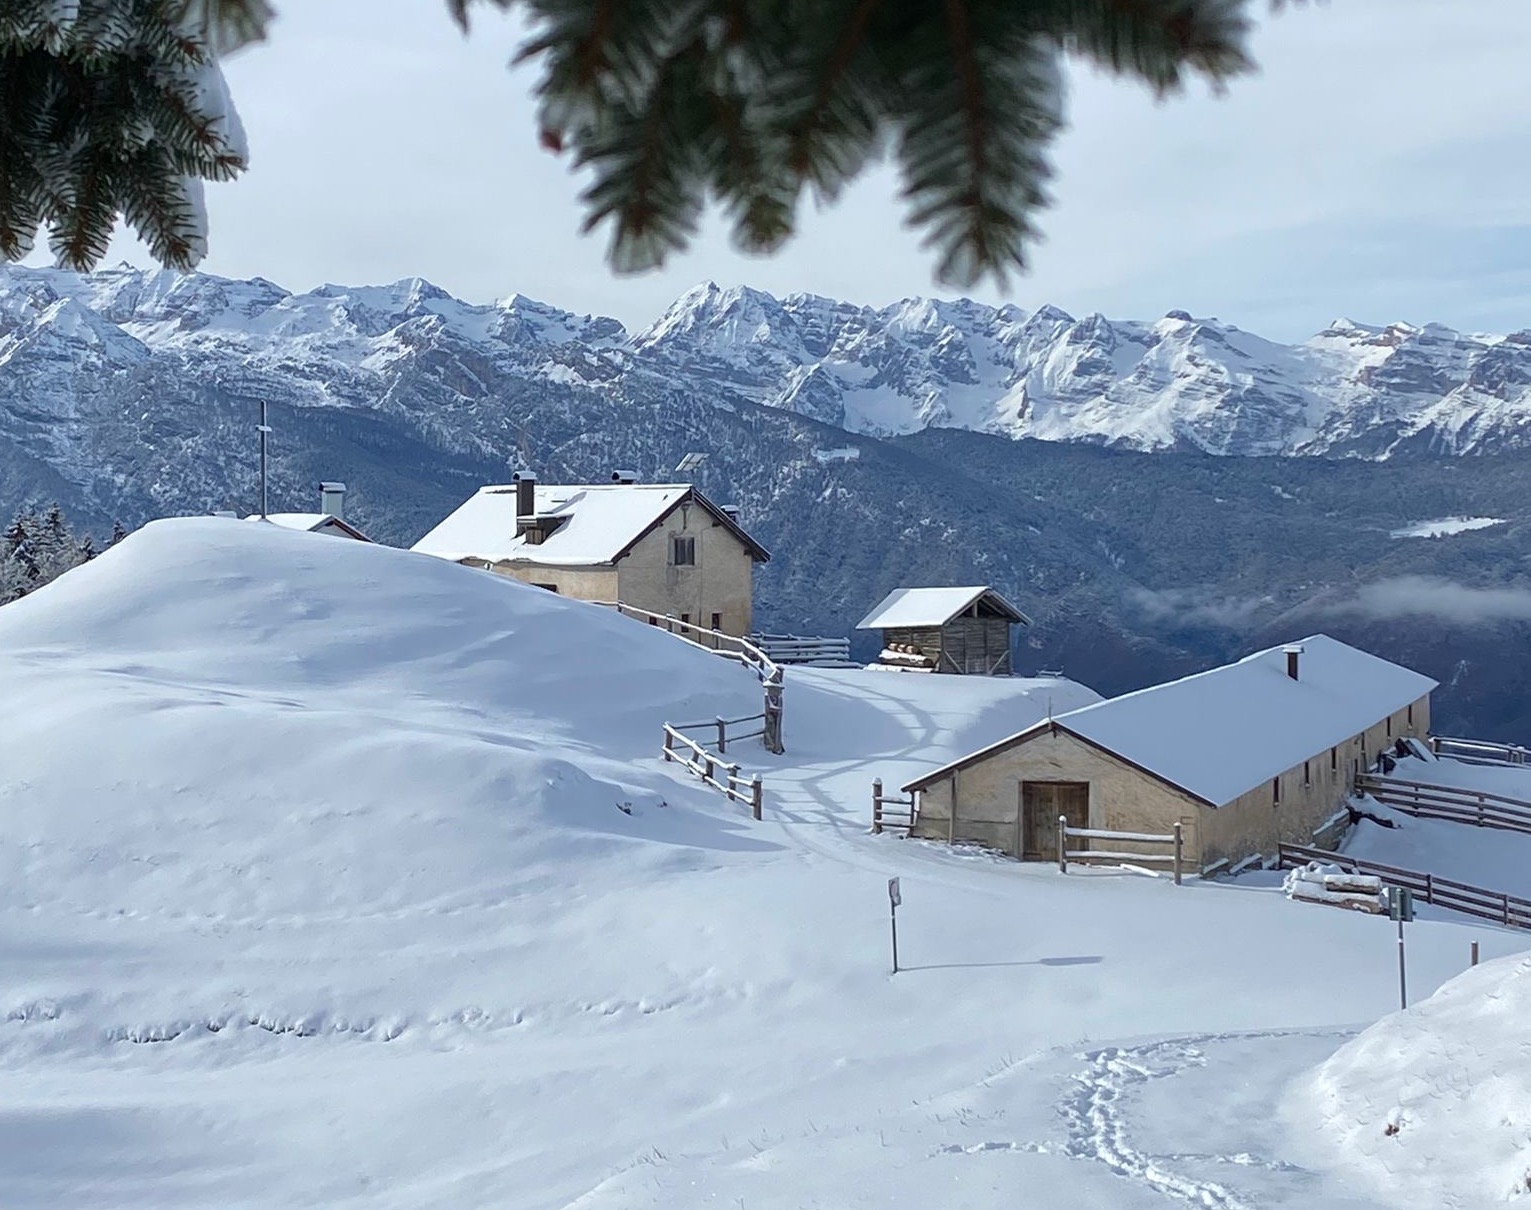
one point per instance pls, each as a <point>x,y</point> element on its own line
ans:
<point>895,898</point>
<point>1400,907</point>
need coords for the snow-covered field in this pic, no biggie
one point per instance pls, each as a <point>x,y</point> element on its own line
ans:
<point>336,875</point>
<point>1444,527</point>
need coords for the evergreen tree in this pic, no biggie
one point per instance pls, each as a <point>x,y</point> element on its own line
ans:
<point>118,533</point>
<point>118,104</point>
<point>108,107</point>
<point>37,550</point>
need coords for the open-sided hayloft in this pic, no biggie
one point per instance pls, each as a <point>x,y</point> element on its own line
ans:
<point>965,630</point>
<point>1243,757</point>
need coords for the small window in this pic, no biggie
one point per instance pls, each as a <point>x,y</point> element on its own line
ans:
<point>1411,714</point>
<point>717,621</point>
<point>1275,791</point>
<point>1307,777</point>
<point>685,618</point>
<point>683,551</point>
<point>1390,726</point>
<point>1334,760</point>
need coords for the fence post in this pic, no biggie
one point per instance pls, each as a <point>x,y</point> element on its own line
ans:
<point>707,763</point>
<point>1474,954</point>
<point>722,736</point>
<point>755,797</point>
<point>771,725</point>
<point>1178,851</point>
<point>1505,897</point>
<point>669,739</point>
<point>877,806</point>
<point>1480,810</point>
<point>1430,888</point>
<point>1063,854</point>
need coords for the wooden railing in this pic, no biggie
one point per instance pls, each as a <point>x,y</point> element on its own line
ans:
<point>1499,906</point>
<point>1173,858</point>
<point>797,649</point>
<point>729,646</point>
<point>1427,801</point>
<point>900,817</point>
<point>718,729</point>
<point>708,767</point>
<point>1479,752</point>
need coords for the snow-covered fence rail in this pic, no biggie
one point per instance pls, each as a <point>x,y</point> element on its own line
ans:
<point>1499,906</point>
<point>719,728</point>
<point>798,649</point>
<point>1173,858</point>
<point>901,816</point>
<point>729,646</point>
<point>712,769</point>
<point>1425,800</point>
<point>1479,752</point>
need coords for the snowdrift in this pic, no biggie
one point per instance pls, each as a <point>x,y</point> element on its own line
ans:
<point>242,722</point>
<point>1432,1106</point>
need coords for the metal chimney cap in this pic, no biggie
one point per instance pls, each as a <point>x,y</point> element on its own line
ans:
<point>523,477</point>
<point>331,486</point>
<point>1293,649</point>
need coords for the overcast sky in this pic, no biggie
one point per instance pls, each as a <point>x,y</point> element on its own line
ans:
<point>1379,167</point>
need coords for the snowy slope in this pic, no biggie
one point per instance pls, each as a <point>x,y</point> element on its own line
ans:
<point>1432,1107</point>
<point>337,875</point>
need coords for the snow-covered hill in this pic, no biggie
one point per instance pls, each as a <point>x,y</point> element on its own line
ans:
<point>1433,1107</point>
<point>336,875</point>
<point>1176,382</point>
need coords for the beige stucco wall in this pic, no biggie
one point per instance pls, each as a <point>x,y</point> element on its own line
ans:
<point>582,583</point>
<point>720,582</point>
<point>1125,799</point>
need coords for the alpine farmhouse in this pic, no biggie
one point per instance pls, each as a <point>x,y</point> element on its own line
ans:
<point>1243,757</point>
<point>662,547</point>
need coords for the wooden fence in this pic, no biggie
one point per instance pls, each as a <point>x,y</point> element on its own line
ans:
<point>1499,906</point>
<point>729,646</point>
<point>718,729</point>
<point>1426,801</point>
<point>1479,752</point>
<point>798,649</point>
<point>1172,839</point>
<point>708,767</point>
<point>901,816</point>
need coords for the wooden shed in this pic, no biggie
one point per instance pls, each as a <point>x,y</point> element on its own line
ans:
<point>963,630</point>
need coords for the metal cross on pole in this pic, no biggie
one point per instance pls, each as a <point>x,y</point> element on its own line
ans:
<point>264,430</point>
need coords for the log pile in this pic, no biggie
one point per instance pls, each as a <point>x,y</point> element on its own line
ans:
<point>1317,882</point>
<point>902,655</point>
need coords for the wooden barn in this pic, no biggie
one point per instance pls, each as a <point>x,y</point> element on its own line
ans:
<point>1244,758</point>
<point>963,630</point>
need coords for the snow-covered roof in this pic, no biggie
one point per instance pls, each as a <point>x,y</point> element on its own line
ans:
<point>934,607</point>
<point>599,523</point>
<point>309,522</point>
<point>1221,733</point>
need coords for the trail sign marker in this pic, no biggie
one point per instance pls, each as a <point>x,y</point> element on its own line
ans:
<point>895,897</point>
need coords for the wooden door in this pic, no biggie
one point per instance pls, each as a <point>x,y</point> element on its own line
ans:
<point>1041,804</point>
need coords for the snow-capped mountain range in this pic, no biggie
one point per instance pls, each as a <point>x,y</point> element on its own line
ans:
<point>1174,383</point>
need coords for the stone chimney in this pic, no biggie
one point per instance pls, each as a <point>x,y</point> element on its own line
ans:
<point>332,500</point>
<point>1293,651</point>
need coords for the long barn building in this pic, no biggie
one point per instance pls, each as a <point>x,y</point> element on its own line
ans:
<point>1244,757</point>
